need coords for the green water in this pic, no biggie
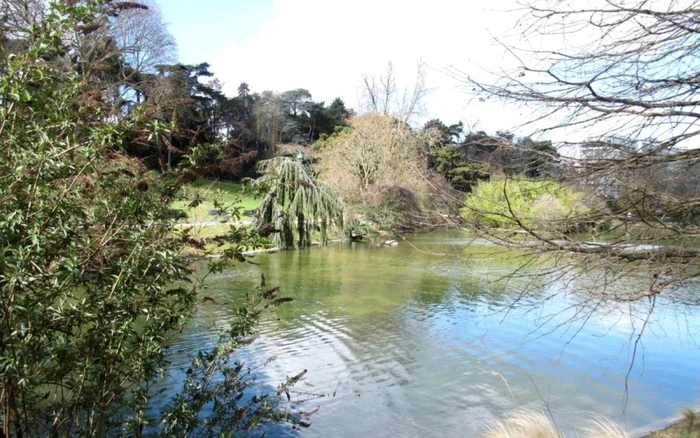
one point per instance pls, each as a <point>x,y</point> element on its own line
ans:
<point>429,339</point>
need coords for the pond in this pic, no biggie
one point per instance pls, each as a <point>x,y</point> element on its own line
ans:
<point>429,339</point>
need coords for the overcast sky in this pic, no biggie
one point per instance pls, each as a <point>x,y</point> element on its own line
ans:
<point>326,46</point>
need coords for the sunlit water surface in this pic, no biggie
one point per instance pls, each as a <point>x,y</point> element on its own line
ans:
<point>425,340</point>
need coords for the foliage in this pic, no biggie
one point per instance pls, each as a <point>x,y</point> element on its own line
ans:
<point>87,258</point>
<point>92,281</point>
<point>446,134</point>
<point>304,120</point>
<point>295,204</point>
<point>465,159</point>
<point>448,161</point>
<point>221,398</point>
<point>464,177</point>
<point>212,195</point>
<point>326,141</point>
<point>507,203</point>
<point>506,153</point>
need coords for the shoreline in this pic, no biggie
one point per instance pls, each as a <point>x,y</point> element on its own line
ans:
<point>257,251</point>
<point>671,427</point>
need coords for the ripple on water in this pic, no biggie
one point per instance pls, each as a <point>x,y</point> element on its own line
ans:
<point>409,344</point>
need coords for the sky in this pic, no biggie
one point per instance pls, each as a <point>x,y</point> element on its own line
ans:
<point>326,46</point>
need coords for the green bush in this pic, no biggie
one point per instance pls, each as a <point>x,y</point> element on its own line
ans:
<point>93,282</point>
<point>507,203</point>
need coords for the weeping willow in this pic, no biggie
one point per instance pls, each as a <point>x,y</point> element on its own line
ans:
<point>295,204</point>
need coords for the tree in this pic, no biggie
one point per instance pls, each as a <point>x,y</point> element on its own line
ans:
<point>243,90</point>
<point>379,165</point>
<point>293,102</point>
<point>17,16</point>
<point>89,50</point>
<point>295,204</point>
<point>144,43</point>
<point>539,204</point>
<point>449,162</point>
<point>304,120</point>
<point>378,150</point>
<point>267,121</point>
<point>628,72</point>
<point>381,95</point>
<point>294,106</point>
<point>87,250</point>
<point>179,98</point>
<point>447,134</point>
<point>336,114</point>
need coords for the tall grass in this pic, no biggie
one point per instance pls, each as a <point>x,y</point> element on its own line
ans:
<point>526,423</point>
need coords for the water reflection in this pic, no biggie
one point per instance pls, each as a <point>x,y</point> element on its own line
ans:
<point>424,340</point>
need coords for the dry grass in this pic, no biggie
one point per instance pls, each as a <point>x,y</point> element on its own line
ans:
<point>526,423</point>
<point>604,428</point>
<point>523,424</point>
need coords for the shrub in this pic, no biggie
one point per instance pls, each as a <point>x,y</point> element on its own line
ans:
<point>295,204</point>
<point>379,165</point>
<point>93,283</point>
<point>507,203</point>
<point>392,208</point>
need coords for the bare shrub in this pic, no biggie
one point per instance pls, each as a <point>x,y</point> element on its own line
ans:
<point>380,162</point>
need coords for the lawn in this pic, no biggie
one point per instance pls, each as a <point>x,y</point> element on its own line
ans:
<point>228,194</point>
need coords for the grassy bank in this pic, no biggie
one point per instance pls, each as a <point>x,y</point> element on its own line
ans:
<point>200,223</point>
<point>227,194</point>
<point>687,427</point>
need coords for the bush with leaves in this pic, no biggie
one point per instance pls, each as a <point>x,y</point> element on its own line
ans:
<point>221,398</point>
<point>510,203</point>
<point>92,281</point>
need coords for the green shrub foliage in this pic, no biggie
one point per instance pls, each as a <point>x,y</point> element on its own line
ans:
<point>508,203</point>
<point>89,257</point>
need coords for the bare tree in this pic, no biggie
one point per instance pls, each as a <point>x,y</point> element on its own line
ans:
<point>266,113</point>
<point>16,16</point>
<point>143,37</point>
<point>381,95</point>
<point>623,76</point>
<point>144,42</point>
<point>380,162</point>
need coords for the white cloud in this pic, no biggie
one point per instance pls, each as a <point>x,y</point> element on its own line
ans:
<point>325,46</point>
